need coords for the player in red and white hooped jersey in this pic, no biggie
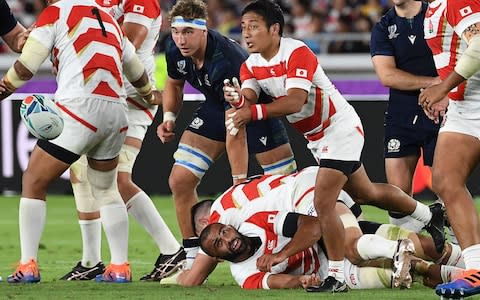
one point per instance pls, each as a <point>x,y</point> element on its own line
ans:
<point>90,54</point>
<point>452,31</point>
<point>140,21</point>
<point>293,239</point>
<point>289,72</point>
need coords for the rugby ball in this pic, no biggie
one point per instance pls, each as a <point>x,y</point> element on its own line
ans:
<point>41,116</point>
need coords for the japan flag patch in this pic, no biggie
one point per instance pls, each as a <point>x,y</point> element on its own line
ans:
<point>138,8</point>
<point>301,73</point>
<point>465,11</point>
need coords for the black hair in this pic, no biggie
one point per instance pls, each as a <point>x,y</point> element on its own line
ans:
<point>269,10</point>
<point>198,208</point>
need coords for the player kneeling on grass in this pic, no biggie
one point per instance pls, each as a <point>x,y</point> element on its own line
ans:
<point>298,261</point>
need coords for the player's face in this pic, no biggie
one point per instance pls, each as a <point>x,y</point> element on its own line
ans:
<point>255,32</point>
<point>226,242</point>
<point>188,40</point>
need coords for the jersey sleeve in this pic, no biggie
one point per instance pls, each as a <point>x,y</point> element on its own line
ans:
<point>44,31</point>
<point>248,79</point>
<point>141,12</point>
<point>462,13</point>
<point>379,42</point>
<point>301,66</point>
<point>7,20</point>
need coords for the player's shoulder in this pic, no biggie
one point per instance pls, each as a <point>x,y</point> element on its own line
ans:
<point>171,50</point>
<point>388,19</point>
<point>224,47</point>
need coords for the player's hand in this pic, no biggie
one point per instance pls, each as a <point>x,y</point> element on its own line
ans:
<point>431,95</point>
<point>165,131</point>
<point>4,91</point>
<point>309,280</point>
<point>157,98</point>
<point>232,93</point>
<point>267,261</point>
<point>239,118</point>
<point>22,37</point>
<point>437,112</point>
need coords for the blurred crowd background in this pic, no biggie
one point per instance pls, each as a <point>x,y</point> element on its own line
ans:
<point>327,26</point>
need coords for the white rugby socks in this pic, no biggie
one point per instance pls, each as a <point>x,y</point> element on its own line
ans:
<point>32,215</point>
<point>91,236</point>
<point>142,209</point>
<point>115,224</point>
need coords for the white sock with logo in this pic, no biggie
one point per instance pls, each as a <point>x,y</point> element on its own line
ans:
<point>336,269</point>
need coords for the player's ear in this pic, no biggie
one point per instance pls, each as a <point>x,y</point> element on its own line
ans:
<point>275,29</point>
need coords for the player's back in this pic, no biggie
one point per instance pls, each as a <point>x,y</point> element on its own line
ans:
<point>87,49</point>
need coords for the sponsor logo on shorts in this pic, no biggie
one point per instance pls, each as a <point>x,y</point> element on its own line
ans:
<point>271,244</point>
<point>263,140</point>
<point>393,146</point>
<point>196,123</point>
<point>353,280</point>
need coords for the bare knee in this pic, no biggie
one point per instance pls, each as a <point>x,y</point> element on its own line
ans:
<point>179,182</point>
<point>351,252</point>
<point>34,186</point>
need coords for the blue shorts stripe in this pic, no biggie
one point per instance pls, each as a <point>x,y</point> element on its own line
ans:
<point>189,165</point>
<point>278,165</point>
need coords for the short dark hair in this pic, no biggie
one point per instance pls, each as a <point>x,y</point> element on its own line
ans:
<point>203,236</point>
<point>198,208</point>
<point>269,10</point>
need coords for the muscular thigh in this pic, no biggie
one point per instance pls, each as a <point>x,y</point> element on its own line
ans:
<point>456,155</point>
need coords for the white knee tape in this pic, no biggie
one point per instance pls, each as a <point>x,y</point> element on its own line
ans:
<point>281,167</point>
<point>79,168</point>
<point>104,186</point>
<point>126,158</point>
<point>84,199</point>
<point>392,232</point>
<point>192,159</point>
<point>349,220</point>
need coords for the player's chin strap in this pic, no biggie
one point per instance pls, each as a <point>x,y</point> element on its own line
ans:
<point>33,55</point>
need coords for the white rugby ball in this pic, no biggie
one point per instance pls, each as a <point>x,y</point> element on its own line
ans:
<point>41,116</point>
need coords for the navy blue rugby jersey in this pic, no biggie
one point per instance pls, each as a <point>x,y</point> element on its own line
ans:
<point>7,20</point>
<point>223,58</point>
<point>403,39</point>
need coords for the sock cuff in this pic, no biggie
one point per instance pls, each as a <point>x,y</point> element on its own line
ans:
<point>135,197</point>
<point>87,222</point>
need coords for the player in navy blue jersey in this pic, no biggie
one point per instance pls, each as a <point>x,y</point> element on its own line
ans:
<point>12,32</point>
<point>205,58</point>
<point>404,63</point>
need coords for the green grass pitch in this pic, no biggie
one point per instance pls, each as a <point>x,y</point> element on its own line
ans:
<point>61,249</point>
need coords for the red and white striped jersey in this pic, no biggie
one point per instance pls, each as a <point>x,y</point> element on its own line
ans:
<point>268,226</point>
<point>445,21</point>
<point>148,14</point>
<point>295,66</point>
<point>265,193</point>
<point>88,48</point>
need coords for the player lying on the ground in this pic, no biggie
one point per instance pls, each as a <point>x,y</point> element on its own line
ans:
<point>295,193</point>
<point>292,238</point>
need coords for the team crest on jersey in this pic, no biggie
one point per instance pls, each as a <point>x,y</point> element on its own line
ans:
<point>392,32</point>
<point>196,123</point>
<point>181,64</point>
<point>393,146</point>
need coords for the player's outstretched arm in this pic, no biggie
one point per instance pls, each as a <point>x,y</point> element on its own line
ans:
<point>171,103</point>
<point>202,266</point>
<point>287,281</point>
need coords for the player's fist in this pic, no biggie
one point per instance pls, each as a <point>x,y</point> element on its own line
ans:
<point>165,131</point>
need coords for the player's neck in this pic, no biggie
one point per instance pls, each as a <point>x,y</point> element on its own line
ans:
<point>269,52</point>
<point>199,57</point>
<point>409,9</point>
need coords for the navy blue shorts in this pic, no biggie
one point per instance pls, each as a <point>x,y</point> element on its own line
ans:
<point>209,121</point>
<point>407,139</point>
